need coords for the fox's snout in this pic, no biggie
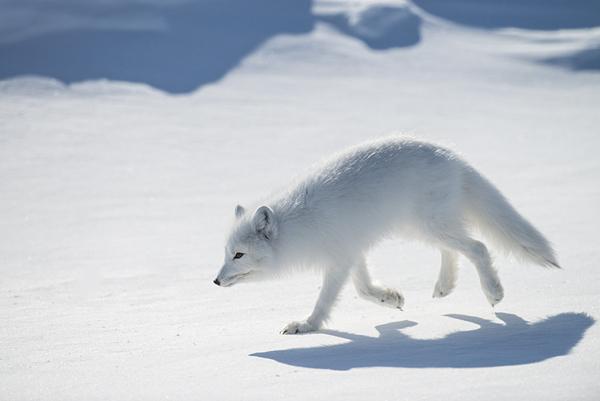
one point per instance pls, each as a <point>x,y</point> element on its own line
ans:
<point>217,282</point>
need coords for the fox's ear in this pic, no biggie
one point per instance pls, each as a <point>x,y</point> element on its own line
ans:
<point>239,211</point>
<point>264,222</point>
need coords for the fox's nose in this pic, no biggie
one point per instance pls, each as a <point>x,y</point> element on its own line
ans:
<point>217,282</point>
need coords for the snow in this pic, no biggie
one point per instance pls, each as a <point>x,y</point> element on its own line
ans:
<point>118,187</point>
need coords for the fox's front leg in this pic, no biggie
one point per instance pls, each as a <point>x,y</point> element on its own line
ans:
<point>333,281</point>
<point>369,291</point>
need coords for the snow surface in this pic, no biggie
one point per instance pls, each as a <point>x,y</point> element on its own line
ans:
<point>119,177</point>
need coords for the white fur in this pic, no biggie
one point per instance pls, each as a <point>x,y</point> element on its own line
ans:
<point>334,215</point>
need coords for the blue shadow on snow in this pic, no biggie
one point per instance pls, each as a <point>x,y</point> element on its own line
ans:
<point>525,14</point>
<point>199,43</point>
<point>516,342</point>
<point>539,15</point>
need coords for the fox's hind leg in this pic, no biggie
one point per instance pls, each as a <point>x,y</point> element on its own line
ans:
<point>367,290</point>
<point>448,274</point>
<point>478,254</point>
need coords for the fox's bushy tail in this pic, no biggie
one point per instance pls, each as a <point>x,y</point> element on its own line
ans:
<point>494,216</point>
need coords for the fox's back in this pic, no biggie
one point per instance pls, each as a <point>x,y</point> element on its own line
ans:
<point>385,167</point>
<point>383,185</point>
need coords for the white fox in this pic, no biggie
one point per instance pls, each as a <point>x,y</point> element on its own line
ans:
<point>333,216</point>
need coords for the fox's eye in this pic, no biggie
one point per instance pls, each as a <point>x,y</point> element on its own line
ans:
<point>238,255</point>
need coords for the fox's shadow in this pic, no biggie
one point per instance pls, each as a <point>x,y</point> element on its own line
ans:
<point>516,342</point>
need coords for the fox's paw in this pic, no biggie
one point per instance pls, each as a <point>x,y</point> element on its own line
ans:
<point>442,288</point>
<point>391,298</point>
<point>299,328</point>
<point>493,291</point>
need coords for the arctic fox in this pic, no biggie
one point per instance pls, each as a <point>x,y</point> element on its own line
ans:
<point>332,217</point>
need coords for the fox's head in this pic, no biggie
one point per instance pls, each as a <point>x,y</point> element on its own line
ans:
<point>249,251</point>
